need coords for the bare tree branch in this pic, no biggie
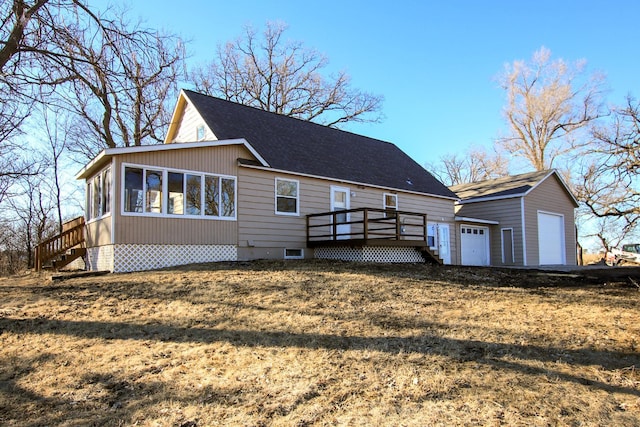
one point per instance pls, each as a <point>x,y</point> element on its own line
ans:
<point>547,102</point>
<point>475,164</point>
<point>284,77</point>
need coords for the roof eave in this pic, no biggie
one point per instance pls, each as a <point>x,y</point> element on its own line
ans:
<point>110,152</point>
<point>346,181</point>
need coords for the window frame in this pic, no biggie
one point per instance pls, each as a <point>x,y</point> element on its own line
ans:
<point>301,256</point>
<point>388,208</point>
<point>164,212</point>
<point>100,205</point>
<point>199,129</point>
<point>297,197</point>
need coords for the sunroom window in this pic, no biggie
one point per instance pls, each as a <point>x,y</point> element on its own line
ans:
<point>175,193</point>
<point>99,194</point>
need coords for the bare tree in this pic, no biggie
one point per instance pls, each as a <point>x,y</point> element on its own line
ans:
<point>547,102</point>
<point>120,79</point>
<point>284,77</point>
<point>475,164</point>
<point>116,77</point>
<point>609,185</point>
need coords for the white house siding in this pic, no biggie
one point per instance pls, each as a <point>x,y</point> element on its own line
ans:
<point>550,197</point>
<point>508,213</point>
<point>188,120</point>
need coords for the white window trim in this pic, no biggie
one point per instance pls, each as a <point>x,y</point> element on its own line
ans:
<point>204,133</point>
<point>301,256</point>
<point>165,194</point>
<point>275,191</point>
<point>89,195</point>
<point>384,201</point>
<point>388,208</point>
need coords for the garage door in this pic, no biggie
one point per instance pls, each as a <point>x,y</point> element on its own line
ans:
<point>551,238</point>
<point>474,245</point>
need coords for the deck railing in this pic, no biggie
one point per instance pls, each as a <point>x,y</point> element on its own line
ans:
<point>366,225</point>
<point>72,235</point>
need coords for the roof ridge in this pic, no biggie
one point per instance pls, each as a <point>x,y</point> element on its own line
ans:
<point>287,117</point>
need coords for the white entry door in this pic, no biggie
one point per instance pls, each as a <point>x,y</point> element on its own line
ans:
<point>438,238</point>
<point>444,245</point>
<point>340,200</point>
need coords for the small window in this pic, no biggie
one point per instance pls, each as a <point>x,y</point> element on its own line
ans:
<point>463,231</point>
<point>293,254</point>
<point>287,196</point>
<point>481,231</point>
<point>390,204</point>
<point>200,133</point>
<point>99,195</point>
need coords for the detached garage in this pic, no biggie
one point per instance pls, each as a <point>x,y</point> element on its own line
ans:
<point>525,220</point>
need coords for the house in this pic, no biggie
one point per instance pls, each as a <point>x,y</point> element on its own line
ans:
<point>521,220</point>
<point>233,182</point>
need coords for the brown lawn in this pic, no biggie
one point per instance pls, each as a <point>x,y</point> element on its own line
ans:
<point>319,343</point>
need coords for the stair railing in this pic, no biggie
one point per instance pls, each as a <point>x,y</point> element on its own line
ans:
<point>71,236</point>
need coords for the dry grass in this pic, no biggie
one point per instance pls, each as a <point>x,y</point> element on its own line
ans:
<point>318,343</point>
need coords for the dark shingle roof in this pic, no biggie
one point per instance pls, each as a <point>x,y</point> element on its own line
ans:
<point>304,147</point>
<point>508,186</point>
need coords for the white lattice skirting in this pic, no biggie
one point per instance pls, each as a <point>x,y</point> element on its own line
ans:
<point>125,258</point>
<point>370,254</point>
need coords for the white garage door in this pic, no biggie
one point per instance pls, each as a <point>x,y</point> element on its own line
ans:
<point>551,238</point>
<point>474,245</point>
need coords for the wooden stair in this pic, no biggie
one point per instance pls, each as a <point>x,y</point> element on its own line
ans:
<point>62,249</point>
<point>67,258</point>
<point>431,255</point>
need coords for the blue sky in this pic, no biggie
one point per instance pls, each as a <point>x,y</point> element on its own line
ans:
<point>434,62</point>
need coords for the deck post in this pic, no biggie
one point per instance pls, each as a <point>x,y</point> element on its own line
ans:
<point>398,228</point>
<point>335,225</point>
<point>424,229</point>
<point>366,225</point>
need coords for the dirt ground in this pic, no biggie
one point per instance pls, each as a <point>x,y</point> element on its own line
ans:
<point>322,343</point>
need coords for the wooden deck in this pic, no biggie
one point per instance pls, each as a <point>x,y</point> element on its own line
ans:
<point>369,227</point>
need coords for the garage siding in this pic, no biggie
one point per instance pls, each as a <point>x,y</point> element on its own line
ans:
<point>507,213</point>
<point>549,196</point>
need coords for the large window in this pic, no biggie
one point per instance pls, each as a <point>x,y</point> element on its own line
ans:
<point>99,194</point>
<point>176,193</point>
<point>287,196</point>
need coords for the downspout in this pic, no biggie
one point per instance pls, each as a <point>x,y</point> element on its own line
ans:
<point>524,234</point>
